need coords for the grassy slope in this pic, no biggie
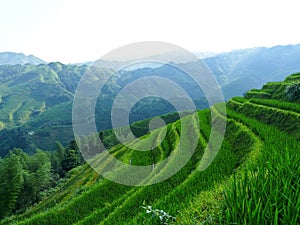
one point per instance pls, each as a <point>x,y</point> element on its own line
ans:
<point>253,180</point>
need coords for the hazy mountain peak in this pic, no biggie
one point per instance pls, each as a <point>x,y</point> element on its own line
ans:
<point>13,58</point>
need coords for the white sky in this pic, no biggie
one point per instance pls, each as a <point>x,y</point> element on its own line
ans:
<point>76,31</point>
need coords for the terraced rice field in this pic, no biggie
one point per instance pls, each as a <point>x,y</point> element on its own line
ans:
<point>254,178</point>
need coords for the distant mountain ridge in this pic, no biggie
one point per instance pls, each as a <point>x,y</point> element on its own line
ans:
<point>241,70</point>
<point>12,58</point>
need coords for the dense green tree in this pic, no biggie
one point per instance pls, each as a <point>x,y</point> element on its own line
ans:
<point>57,158</point>
<point>11,180</point>
<point>36,176</point>
<point>293,92</point>
<point>40,168</point>
<point>23,179</point>
<point>71,159</point>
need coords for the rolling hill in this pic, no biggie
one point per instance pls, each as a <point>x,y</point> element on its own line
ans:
<point>253,180</point>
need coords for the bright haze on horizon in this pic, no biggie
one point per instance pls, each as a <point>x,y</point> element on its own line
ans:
<point>79,31</point>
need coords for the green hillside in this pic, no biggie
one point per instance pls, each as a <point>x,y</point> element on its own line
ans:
<point>36,103</point>
<point>36,100</point>
<point>253,180</point>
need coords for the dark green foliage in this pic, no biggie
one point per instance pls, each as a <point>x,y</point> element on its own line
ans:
<point>64,159</point>
<point>56,159</point>
<point>23,179</point>
<point>71,160</point>
<point>37,175</point>
<point>11,183</point>
<point>293,92</point>
<point>72,157</point>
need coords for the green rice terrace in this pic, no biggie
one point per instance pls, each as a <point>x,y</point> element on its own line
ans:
<point>254,179</point>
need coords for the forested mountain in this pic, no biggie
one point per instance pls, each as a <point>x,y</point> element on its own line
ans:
<point>254,178</point>
<point>36,100</point>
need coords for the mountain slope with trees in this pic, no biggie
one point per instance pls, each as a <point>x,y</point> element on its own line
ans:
<point>35,104</point>
<point>36,100</point>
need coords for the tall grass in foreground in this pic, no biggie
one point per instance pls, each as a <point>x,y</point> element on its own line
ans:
<point>267,191</point>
